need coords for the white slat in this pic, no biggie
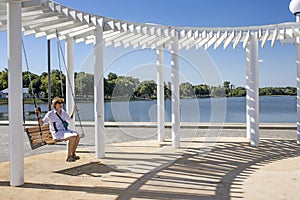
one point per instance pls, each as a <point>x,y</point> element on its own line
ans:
<point>274,37</point>
<point>138,29</point>
<point>182,33</point>
<point>246,39</point>
<point>118,25</point>
<point>189,33</point>
<point>148,39</point>
<point>229,40</point>
<point>166,32</point>
<point>131,28</point>
<point>185,43</point>
<point>125,27</point>
<point>195,41</point>
<point>136,41</point>
<point>265,38</point>
<point>237,39</point>
<point>111,25</point>
<point>158,32</point>
<point>128,40</point>
<point>212,40</point>
<point>205,40</point>
<point>161,42</point>
<point>221,40</point>
<point>87,18</point>
<point>80,16</point>
<point>76,33</point>
<point>145,30</point>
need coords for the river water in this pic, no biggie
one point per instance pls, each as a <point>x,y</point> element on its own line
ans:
<point>273,109</point>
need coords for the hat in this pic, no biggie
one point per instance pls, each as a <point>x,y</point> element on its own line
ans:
<point>56,100</point>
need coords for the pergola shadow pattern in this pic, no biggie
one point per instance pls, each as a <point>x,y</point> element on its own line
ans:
<point>218,175</point>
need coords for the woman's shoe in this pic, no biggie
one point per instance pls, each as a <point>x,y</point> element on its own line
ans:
<point>71,159</point>
<point>76,157</point>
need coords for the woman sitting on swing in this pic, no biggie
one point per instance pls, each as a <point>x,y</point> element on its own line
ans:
<point>57,119</point>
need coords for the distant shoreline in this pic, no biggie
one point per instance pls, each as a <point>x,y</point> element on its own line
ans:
<point>83,100</point>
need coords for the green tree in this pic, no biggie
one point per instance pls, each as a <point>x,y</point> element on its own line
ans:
<point>167,91</point>
<point>30,80</point>
<point>147,89</point>
<point>4,79</point>
<point>217,91</point>
<point>201,90</point>
<point>237,92</point>
<point>84,84</point>
<point>226,86</point>
<point>290,91</point>
<point>125,87</point>
<point>112,76</point>
<point>186,90</point>
<point>58,86</point>
<point>36,86</point>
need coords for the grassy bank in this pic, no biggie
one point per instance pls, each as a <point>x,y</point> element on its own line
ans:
<point>27,101</point>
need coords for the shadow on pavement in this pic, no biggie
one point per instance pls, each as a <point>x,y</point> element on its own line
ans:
<point>218,175</point>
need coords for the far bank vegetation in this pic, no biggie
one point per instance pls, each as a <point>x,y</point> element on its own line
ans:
<point>126,87</point>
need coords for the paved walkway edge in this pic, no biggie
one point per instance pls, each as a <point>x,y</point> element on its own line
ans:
<point>204,125</point>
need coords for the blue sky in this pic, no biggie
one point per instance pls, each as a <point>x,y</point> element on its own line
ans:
<point>277,69</point>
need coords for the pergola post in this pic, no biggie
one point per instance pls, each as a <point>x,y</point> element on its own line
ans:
<point>298,83</point>
<point>15,91</point>
<point>70,88</point>
<point>252,90</point>
<point>99,93</point>
<point>248,100</point>
<point>175,93</point>
<point>160,94</point>
<point>49,72</point>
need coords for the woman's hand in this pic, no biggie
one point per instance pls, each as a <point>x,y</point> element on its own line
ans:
<point>73,111</point>
<point>38,114</point>
<point>37,111</point>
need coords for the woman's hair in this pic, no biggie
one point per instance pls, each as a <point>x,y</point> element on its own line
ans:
<point>56,100</point>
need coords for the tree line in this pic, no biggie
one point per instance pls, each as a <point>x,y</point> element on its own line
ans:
<point>128,87</point>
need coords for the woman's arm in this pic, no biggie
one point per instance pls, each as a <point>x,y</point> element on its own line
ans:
<point>38,113</point>
<point>73,111</point>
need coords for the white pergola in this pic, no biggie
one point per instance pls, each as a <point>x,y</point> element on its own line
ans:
<point>45,18</point>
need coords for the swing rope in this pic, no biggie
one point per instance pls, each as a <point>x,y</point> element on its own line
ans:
<point>32,92</point>
<point>60,74</point>
<point>29,76</point>
<point>59,49</point>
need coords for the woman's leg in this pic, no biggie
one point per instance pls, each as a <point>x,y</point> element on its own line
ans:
<point>71,144</point>
<point>76,142</point>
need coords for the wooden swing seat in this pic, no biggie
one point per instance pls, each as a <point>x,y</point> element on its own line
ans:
<point>40,136</point>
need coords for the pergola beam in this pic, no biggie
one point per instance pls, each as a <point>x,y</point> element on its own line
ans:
<point>44,17</point>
